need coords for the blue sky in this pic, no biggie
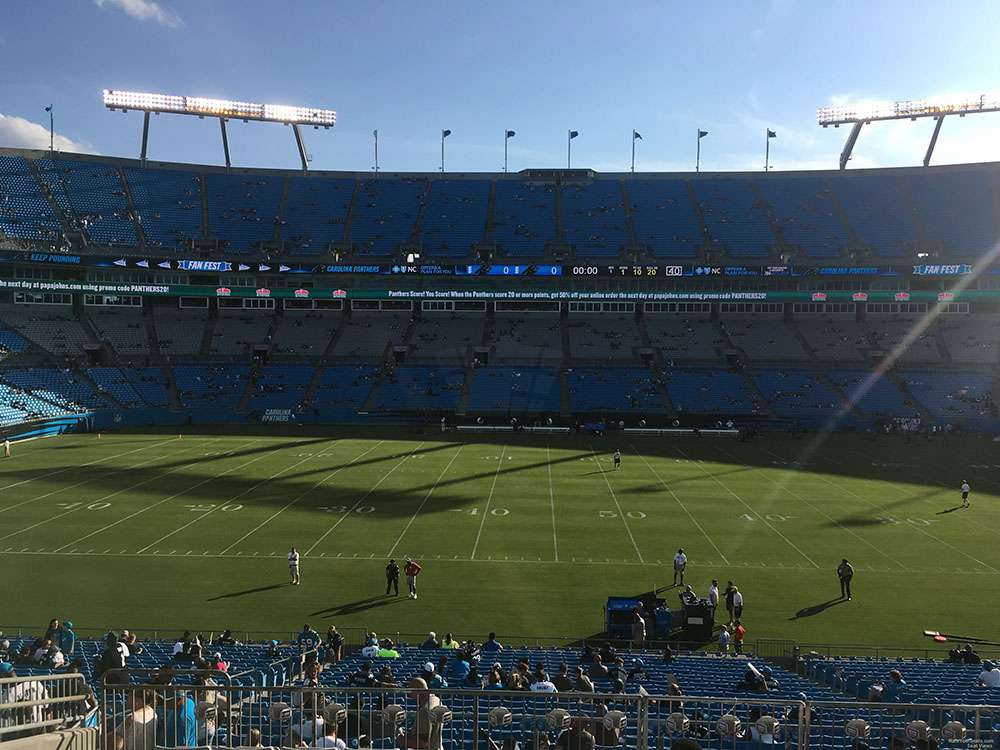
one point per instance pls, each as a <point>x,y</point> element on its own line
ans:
<point>540,68</point>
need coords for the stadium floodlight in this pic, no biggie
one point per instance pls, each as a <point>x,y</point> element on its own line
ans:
<point>858,115</point>
<point>224,110</point>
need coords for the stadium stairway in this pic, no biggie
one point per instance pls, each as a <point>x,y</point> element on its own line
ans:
<point>841,213</point>
<point>279,219</point>
<point>310,392</point>
<point>913,401</point>
<point>208,333</point>
<point>152,339</point>
<point>84,377</point>
<point>251,387</point>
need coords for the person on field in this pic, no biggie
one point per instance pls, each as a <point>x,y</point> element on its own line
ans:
<point>6,448</point>
<point>680,564</point>
<point>412,570</point>
<point>392,577</point>
<point>737,604</point>
<point>729,595</point>
<point>293,565</point>
<point>845,572</point>
<point>617,457</point>
<point>966,489</point>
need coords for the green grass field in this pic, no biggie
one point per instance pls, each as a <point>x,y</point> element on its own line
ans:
<point>523,535</point>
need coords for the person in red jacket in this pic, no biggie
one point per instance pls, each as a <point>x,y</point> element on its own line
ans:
<point>411,570</point>
<point>739,633</point>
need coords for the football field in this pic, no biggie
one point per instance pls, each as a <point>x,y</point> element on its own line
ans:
<point>521,534</point>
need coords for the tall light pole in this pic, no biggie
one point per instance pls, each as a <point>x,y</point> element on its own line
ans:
<point>697,156</point>
<point>570,135</point>
<point>767,148</point>
<point>52,130</point>
<point>635,137</point>
<point>444,134</point>
<point>375,134</point>
<point>507,136</point>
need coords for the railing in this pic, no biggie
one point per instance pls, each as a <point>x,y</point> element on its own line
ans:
<point>230,716</point>
<point>29,705</point>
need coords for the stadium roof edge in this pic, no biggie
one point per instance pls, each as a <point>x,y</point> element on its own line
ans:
<point>523,175</point>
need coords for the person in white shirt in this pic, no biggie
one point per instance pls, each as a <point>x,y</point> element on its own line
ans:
<point>990,676</point>
<point>737,603</point>
<point>330,738</point>
<point>724,639</point>
<point>713,593</point>
<point>680,563</point>
<point>293,565</point>
<point>965,494</point>
<point>542,684</point>
<point>6,448</point>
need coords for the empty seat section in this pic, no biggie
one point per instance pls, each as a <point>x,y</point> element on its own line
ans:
<point>315,213</point>
<point>499,388</point>
<point>735,217</point>
<point>617,389</point>
<point>179,331</point>
<point>93,196</point>
<point>446,337</point>
<point>837,338</point>
<point>112,381</point>
<point>455,218</point>
<point>805,210</point>
<point>367,334</point>
<point>593,218</point>
<point>168,205</point>
<point>242,209</point>
<point>604,337</point>
<point>415,388</point>
<point>710,392</point>
<point>959,398</point>
<point>62,387</point>
<point>52,327</point>
<point>25,213</point>
<point>385,214</point>
<point>210,385</point>
<point>795,394</point>
<point>875,395</point>
<point>343,388</point>
<point>124,329</point>
<point>238,331</point>
<point>878,212</point>
<point>306,332</point>
<point>971,338</point>
<point>890,331</point>
<point>664,217</point>
<point>524,218</point>
<point>764,338</point>
<point>531,337</point>
<point>281,386</point>
<point>956,209</point>
<point>684,338</point>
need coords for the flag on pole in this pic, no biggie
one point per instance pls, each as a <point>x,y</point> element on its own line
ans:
<point>445,133</point>
<point>375,132</point>
<point>573,134</point>
<point>636,136</point>
<point>48,108</point>
<point>771,133</point>
<point>702,134</point>
<point>511,133</point>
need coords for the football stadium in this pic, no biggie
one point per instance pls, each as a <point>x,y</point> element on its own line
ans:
<point>545,456</point>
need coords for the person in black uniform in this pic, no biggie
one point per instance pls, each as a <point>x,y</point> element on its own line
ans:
<point>845,572</point>
<point>392,577</point>
<point>617,457</point>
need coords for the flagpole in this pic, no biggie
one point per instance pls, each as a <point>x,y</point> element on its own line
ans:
<point>697,154</point>
<point>767,151</point>
<point>442,152</point>
<point>375,132</point>
<point>633,152</point>
<point>505,139</point>
<point>569,145</point>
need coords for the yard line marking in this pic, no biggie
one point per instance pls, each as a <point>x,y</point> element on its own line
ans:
<point>621,513</point>
<point>936,538</point>
<point>750,508</point>
<point>482,521</point>
<point>552,503</point>
<point>785,488</point>
<point>234,497</point>
<point>160,502</point>
<point>363,498</point>
<point>683,507</point>
<point>89,463</point>
<point>424,501</point>
<point>332,474</point>
<point>81,506</point>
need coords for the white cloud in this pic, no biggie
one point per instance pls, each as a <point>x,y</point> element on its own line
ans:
<point>16,132</point>
<point>144,10</point>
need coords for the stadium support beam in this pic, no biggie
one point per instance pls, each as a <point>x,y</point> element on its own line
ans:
<point>145,137</point>
<point>301,146</point>
<point>225,141</point>
<point>852,138</point>
<point>934,137</point>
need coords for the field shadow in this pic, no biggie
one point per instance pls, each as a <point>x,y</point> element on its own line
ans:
<point>246,592</point>
<point>817,609</point>
<point>361,605</point>
<point>948,510</point>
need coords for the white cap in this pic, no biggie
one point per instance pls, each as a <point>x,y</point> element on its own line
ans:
<point>429,667</point>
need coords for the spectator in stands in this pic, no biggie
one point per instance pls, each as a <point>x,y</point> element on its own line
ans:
<point>459,669</point>
<point>597,669</point>
<point>387,649</point>
<point>969,656</point>
<point>308,638</point>
<point>792,715</point>
<point>543,684</point>
<point>894,690</point>
<point>431,678</point>
<point>668,654</point>
<point>226,639</point>
<point>42,652</point>
<point>563,682</point>
<point>52,632</point>
<point>218,663</point>
<point>113,657</point>
<point>329,738</point>
<point>583,683</point>
<point>449,642</point>
<point>55,658</point>
<point>5,654</point>
<point>370,651</point>
<point>138,730</point>
<point>66,638</point>
<point>616,670</point>
<point>608,653</point>
<point>422,735</point>
<point>386,678</point>
<point>334,645</point>
<point>637,671</point>
<point>587,656</point>
<point>132,641</point>
<point>253,738</point>
<point>362,676</point>
<point>685,743</point>
<point>989,677</point>
<point>177,726</point>
<point>492,644</point>
<point>431,641</point>
<point>22,692</point>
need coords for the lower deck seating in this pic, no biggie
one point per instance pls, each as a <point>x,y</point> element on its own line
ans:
<point>615,389</point>
<point>212,385</point>
<point>710,392</point>
<point>503,388</point>
<point>342,389</point>
<point>876,395</point>
<point>960,398</point>
<point>281,386</point>
<point>795,394</point>
<point>62,387</point>
<point>414,388</point>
